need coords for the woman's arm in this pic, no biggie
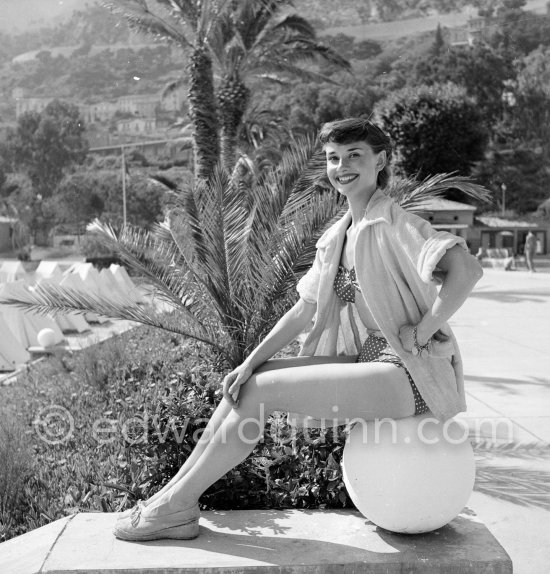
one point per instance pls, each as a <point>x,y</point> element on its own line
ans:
<point>461,272</point>
<point>292,323</point>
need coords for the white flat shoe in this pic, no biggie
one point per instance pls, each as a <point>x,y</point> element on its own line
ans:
<point>181,525</point>
<point>129,511</point>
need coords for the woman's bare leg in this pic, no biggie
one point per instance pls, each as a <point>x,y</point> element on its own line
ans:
<point>345,391</point>
<point>224,408</point>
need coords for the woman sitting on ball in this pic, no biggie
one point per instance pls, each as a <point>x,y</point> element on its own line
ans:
<point>379,347</point>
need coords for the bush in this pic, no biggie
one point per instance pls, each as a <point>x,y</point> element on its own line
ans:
<point>91,247</point>
<point>137,404</point>
<point>436,129</point>
<point>15,470</point>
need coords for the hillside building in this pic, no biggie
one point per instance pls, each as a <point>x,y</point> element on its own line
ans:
<point>139,105</point>
<point>476,29</point>
<point>137,126</point>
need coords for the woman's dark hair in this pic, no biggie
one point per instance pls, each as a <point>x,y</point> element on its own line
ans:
<point>351,130</point>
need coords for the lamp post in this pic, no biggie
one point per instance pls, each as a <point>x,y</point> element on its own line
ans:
<point>123,186</point>
<point>503,189</point>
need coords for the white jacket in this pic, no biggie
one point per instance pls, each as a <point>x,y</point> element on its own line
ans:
<point>396,256</point>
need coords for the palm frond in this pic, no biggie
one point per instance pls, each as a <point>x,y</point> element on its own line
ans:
<point>412,194</point>
<point>271,68</point>
<point>272,77</point>
<point>158,262</point>
<point>293,250</point>
<point>293,25</point>
<point>50,298</point>
<point>211,11</point>
<point>186,10</point>
<point>137,13</point>
<point>308,49</point>
<point>311,180</point>
<point>172,86</point>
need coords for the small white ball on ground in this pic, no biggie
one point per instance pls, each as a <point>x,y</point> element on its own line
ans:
<point>46,337</point>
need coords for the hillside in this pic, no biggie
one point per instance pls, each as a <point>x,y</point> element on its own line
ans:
<point>22,15</point>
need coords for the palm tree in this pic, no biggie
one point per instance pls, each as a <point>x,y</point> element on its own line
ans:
<point>246,38</point>
<point>190,24</point>
<point>227,260</point>
<point>261,39</point>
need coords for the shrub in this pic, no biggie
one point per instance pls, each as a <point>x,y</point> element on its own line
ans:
<point>15,469</point>
<point>152,395</point>
<point>436,129</point>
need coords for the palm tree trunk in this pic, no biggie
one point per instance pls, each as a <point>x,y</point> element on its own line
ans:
<point>203,113</point>
<point>233,98</point>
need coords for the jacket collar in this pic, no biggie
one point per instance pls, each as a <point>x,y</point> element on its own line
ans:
<point>378,210</point>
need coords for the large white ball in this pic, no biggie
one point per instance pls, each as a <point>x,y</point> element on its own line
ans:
<point>409,475</point>
<point>46,337</point>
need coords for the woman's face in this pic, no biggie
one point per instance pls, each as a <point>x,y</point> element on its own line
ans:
<point>353,168</point>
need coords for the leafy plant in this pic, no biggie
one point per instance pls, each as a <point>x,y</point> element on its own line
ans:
<point>436,129</point>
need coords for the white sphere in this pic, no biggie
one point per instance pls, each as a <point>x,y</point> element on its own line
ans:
<point>46,337</point>
<point>409,475</point>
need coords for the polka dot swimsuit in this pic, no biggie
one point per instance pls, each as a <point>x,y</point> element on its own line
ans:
<point>375,349</point>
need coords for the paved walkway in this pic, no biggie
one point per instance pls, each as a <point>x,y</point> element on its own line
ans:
<point>504,335</point>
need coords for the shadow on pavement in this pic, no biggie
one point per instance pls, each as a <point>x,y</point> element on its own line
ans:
<point>500,381</point>
<point>512,296</point>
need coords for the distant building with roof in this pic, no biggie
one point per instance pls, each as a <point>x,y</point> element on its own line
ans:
<point>485,231</point>
<point>499,232</point>
<point>447,215</point>
<point>476,29</point>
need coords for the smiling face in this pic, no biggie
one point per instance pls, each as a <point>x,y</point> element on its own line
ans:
<point>353,168</point>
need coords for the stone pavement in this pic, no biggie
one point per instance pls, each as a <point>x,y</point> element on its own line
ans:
<point>258,542</point>
<point>504,334</point>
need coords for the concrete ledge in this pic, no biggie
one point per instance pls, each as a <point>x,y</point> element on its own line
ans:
<point>261,541</point>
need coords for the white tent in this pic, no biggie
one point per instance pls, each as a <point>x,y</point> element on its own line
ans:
<point>112,284</point>
<point>12,353</point>
<point>49,270</point>
<point>91,278</point>
<point>25,325</point>
<point>74,281</point>
<point>123,279</point>
<point>12,271</point>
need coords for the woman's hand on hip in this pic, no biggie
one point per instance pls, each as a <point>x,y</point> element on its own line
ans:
<point>233,382</point>
<point>406,335</point>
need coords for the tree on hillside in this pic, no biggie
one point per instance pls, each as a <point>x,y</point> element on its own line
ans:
<point>192,25</point>
<point>45,145</point>
<point>249,38</point>
<point>519,154</point>
<point>260,39</point>
<point>436,129</point>
<point>482,70</point>
<point>97,193</point>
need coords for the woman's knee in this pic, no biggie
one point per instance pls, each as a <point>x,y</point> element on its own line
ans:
<point>258,392</point>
